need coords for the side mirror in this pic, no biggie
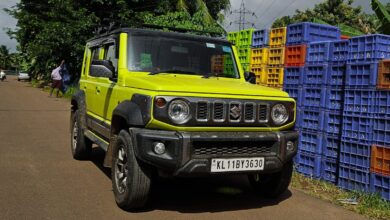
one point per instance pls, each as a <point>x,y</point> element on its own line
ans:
<point>250,77</point>
<point>102,68</point>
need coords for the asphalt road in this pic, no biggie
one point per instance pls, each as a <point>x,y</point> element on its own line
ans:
<point>40,180</point>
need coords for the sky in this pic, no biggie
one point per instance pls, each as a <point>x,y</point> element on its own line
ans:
<point>266,11</point>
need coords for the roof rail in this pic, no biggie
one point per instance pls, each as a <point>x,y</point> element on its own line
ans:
<point>114,24</point>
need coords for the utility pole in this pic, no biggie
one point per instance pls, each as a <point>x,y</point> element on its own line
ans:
<point>243,12</point>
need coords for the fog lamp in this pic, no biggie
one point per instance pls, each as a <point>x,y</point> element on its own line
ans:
<point>159,148</point>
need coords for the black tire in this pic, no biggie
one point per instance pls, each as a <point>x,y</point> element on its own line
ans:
<point>18,79</point>
<point>272,185</point>
<point>80,145</point>
<point>132,190</point>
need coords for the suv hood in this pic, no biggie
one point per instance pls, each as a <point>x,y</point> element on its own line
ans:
<point>198,84</point>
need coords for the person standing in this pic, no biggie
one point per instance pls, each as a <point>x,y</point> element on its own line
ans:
<point>57,79</point>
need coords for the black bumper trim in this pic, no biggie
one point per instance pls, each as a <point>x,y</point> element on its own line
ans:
<point>179,158</point>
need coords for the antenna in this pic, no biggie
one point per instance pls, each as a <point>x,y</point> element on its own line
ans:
<point>243,12</point>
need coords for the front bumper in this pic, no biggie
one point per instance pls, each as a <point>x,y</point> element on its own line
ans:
<point>190,153</point>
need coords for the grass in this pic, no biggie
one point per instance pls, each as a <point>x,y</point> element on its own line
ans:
<point>45,87</point>
<point>369,205</point>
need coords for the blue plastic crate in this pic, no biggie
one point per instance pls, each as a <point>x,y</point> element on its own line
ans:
<point>310,142</point>
<point>355,154</point>
<point>293,76</point>
<point>308,32</point>
<point>298,119</point>
<point>357,129</point>
<point>380,184</point>
<point>354,179</point>
<point>336,75</point>
<point>315,74</point>
<point>295,93</point>
<point>381,131</point>
<point>329,98</point>
<point>333,98</point>
<point>368,48</point>
<point>317,52</point>
<point>331,145</point>
<point>260,38</point>
<point>359,102</point>
<point>311,119</point>
<point>309,164</point>
<point>332,122</point>
<point>362,74</point>
<point>329,167</point>
<point>313,96</point>
<point>382,103</point>
<point>338,51</point>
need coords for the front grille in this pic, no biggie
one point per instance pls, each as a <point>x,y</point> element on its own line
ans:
<point>234,112</point>
<point>231,148</point>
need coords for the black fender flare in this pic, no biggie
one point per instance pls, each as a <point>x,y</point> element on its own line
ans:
<point>129,113</point>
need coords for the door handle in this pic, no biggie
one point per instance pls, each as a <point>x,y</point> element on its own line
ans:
<point>98,89</point>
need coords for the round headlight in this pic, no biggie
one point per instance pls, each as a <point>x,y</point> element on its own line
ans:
<point>179,111</point>
<point>279,114</point>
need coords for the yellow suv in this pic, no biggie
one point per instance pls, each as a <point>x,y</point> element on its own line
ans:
<point>175,104</point>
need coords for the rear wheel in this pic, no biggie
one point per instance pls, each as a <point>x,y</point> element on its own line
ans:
<point>131,179</point>
<point>272,185</point>
<point>80,145</point>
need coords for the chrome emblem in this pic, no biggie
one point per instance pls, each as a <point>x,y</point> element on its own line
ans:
<point>235,112</point>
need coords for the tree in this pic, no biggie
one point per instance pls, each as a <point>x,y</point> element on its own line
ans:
<point>333,12</point>
<point>49,31</point>
<point>4,57</point>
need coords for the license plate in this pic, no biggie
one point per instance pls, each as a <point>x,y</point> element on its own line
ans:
<point>237,164</point>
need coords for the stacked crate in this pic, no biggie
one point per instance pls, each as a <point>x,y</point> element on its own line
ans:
<point>360,110</point>
<point>307,79</point>
<point>275,69</point>
<point>380,150</point>
<point>259,55</point>
<point>244,43</point>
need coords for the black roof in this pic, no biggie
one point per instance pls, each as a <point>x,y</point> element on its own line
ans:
<point>159,33</point>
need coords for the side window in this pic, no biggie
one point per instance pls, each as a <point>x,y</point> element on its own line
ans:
<point>96,55</point>
<point>111,55</point>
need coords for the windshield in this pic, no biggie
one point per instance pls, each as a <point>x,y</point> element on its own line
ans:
<point>180,56</point>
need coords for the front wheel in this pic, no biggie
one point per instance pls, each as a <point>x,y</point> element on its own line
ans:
<point>272,185</point>
<point>81,146</point>
<point>131,179</point>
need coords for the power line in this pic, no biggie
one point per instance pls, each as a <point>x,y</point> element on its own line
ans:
<point>243,12</point>
<point>266,10</point>
<point>281,12</point>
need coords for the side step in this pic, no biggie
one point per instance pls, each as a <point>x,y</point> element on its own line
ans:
<point>95,139</point>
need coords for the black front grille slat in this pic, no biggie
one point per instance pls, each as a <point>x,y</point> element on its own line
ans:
<point>249,112</point>
<point>202,111</point>
<point>263,112</point>
<point>231,148</point>
<point>219,111</point>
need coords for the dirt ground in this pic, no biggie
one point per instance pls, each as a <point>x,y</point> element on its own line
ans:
<point>40,180</point>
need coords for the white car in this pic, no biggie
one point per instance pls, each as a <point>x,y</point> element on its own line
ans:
<point>24,76</point>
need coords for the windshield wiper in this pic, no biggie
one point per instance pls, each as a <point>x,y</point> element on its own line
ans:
<point>174,71</point>
<point>208,75</point>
